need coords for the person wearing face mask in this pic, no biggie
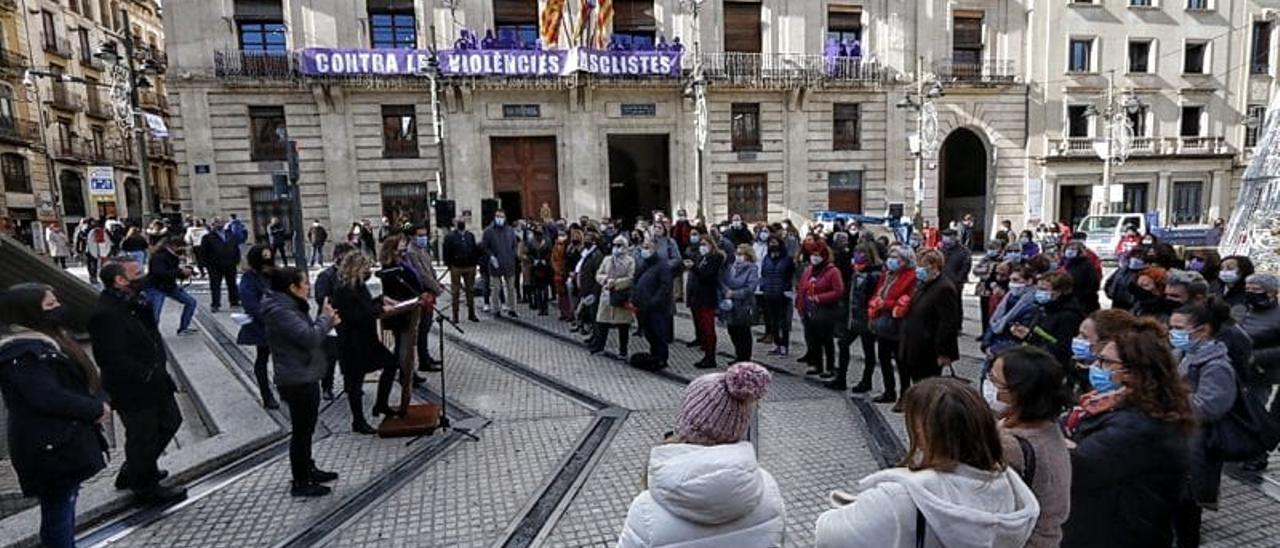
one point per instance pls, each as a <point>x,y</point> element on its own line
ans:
<point>654,306</point>
<point>296,347</point>
<point>418,261</point>
<point>164,271</point>
<point>931,327</point>
<point>1059,322</point>
<point>1129,444</point>
<point>1232,275</point>
<point>254,333</point>
<point>1148,294</point>
<point>818,295</point>
<point>739,289</point>
<point>666,248</point>
<point>867,269</point>
<point>588,290</point>
<point>1085,281</point>
<point>538,250</point>
<point>1130,240</point>
<point>1024,390</point>
<point>1207,370</point>
<point>401,283</point>
<point>50,387</point>
<point>681,229</point>
<point>1027,244</point>
<point>615,276</point>
<point>499,245</point>
<point>130,352</point>
<point>888,305</point>
<point>985,272</point>
<point>1261,322</point>
<point>704,265</point>
<point>738,232</point>
<point>462,256</point>
<point>1018,307</point>
<point>360,348</point>
<point>1119,286</point>
<point>559,288</point>
<point>777,281</point>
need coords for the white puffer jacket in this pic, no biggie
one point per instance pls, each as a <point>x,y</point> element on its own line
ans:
<point>704,497</point>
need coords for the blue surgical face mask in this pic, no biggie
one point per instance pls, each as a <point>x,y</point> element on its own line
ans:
<point>693,239</point>
<point>922,273</point>
<point>1053,265</point>
<point>1137,264</point>
<point>1100,378</point>
<point>422,241</point>
<point>1043,296</point>
<point>991,253</point>
<point>1014,257</point>
<point>1082,350</point>
<point>893,264</point>
<point>1180,339</point>
<point>499,221</point>
<point>1071,253</point>
<point>646,253</point>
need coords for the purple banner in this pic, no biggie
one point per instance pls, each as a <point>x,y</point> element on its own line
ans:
<point>407,62</point>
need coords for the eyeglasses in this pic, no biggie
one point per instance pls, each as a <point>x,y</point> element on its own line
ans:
<point>1108,362</point>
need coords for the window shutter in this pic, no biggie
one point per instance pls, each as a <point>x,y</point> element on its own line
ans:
<point>633,15</point>
<point>269,10</point>
<point>742,27</point>
<point>968,31</point>
<point>405,6</point>
<point>515,11</point>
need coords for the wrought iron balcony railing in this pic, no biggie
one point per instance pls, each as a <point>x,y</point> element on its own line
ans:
<point>11,5</point>
<point>64,98</point>
<point>97,106</point>
<point>159,148</point>
<point>253,64</point>
<point>991,71</point>
<point>765,68</point>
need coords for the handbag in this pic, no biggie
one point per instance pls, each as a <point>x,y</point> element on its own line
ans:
<point>885,326</point>
<point>619,297</point>
<point>1245,433</point>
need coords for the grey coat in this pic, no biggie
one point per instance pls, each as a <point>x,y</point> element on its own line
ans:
<point>500,242</point>
<point>295,339</point>
<point>1263,327</point>
<point>1208,371</point>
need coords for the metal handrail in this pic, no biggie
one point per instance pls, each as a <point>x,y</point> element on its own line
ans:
<point>989,71</point>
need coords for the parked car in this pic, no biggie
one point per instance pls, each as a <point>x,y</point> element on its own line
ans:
<point>1105,232</point>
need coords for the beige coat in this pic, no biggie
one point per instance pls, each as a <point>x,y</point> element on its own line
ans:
<point>610,278</point>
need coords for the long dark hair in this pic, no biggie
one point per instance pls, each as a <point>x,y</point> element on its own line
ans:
<point>1153,383</point>
<point>949,424</point>
<point>257,262</point>
<point>22,306</point>
<point>1034,377</point>
<point>281,279</point>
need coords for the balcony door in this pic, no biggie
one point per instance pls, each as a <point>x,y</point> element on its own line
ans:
<point>966,46</point>
<point>742,26</point>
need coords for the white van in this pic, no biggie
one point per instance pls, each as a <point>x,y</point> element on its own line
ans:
<point>1104,231</point>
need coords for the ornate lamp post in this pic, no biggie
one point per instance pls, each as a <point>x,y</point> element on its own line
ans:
<point>926,137</point>
<point>125,80</point>
<point>1117,139</point>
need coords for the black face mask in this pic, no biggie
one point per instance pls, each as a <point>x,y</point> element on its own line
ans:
<point>1259,301</point>
<point>55,317</point>
<point>1142,295</point>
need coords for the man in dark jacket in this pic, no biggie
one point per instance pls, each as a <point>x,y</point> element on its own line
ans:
<point>326,283</point>
<point>461,255</point>
<point>585,280</point>
<point>278,237</point>
<point>317,236</point>
<point>738,233</point>
<point>499,244</point>
<point>163,272</point>
<point>1261,322</point>
<point>931,329</point>
<point>129,350</point>
<point>222,256</point>
<point>959,262</point>
<point>651,295</point>
<point>1054,329</point>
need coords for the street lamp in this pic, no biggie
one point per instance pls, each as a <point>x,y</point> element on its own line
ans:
<point>1117,141</point>
<point>698,89</point>
<point>125,80</point>
<point>921,101</point>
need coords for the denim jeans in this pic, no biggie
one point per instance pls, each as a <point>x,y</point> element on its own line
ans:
<point>157,296</point>
<point>58,518</point>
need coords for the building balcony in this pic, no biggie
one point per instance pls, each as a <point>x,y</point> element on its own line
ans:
<point>12,62</point>
<point>253,64</point>
<point>63,98</point>
<point>1083,147</point>
<point>98,107</point>
<point>19,132</point>
<point>991,71</point>
<point>9,5</point>
<point>152,100</point>
<point>72,150</point>
<point>765,69</point>
<point>159,59</point>
<point>60,47</point>
<point>159,148</point>
<point>122,156</point>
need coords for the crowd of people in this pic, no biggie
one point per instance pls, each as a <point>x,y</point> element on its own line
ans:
<point>1096,426</point>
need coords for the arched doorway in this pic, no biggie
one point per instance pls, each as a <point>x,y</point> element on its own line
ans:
<point>133,198</point>
<point>962,181</point>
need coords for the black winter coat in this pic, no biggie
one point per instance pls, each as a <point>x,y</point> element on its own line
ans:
<point>652,290</point>
<point>1119,288</point>
<point>130,352</point>
<point>1061,321</point>
<point>399,284</point>
<point>959,262</point>
<point>461,250</point>
<point>587,284</point>
<point>163,270</point>
<point>359,348</point>
<point>294,338</point>
<point>222,255</point>
<point>861,291</point>
<point>704,282</point>
<point>54,442</point>
<point>1127,472</point>
<point>931,328</point>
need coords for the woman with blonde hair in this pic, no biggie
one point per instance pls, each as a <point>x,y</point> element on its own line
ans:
<point>360,349</point>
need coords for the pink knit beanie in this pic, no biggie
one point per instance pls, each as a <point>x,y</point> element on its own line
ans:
<point>717,407</point>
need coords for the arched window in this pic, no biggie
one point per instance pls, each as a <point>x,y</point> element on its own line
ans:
<point>16,176</point>
<point>72,186</point>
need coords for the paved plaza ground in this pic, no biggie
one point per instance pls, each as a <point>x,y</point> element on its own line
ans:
<point>562,450</point>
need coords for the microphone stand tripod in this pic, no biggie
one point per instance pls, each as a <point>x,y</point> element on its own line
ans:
<point>445,423</point>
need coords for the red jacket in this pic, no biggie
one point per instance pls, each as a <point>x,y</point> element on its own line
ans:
<point>680,233</point>
<point>893,297</point>
<point>824,287</point>
<point>932,237</point>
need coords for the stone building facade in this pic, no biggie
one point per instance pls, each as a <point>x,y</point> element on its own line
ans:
<point>57,121</point>
<point>792,126</point>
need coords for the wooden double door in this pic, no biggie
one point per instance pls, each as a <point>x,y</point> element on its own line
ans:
<point>526,175</point>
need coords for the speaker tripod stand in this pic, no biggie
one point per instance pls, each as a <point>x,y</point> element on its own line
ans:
<point>446,424</point>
